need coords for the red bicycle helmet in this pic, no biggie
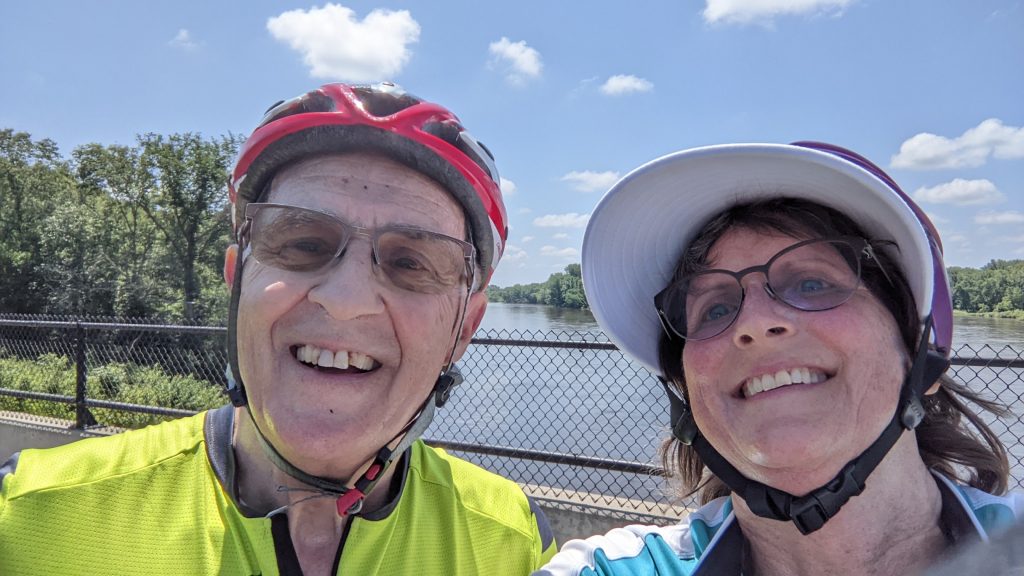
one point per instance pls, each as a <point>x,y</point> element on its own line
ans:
<point>382,118</point>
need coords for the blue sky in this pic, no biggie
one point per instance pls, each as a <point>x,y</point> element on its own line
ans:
<point>569,95</point>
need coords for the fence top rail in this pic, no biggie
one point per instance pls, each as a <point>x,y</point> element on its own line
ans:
<point>70,325</point>
<point>484,339</point>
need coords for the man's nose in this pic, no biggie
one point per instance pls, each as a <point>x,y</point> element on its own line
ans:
<point>349,287</point>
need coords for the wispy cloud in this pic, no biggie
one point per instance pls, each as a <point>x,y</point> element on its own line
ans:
<point>588,181</point>
<point>927,151</point>
<point>625,84</point>
<point>513,254</point>
<point>765,11</point>
<point>961,192</point>
<point>559,252</point>
<point>990,217</point>
<point>508,187</point>
<point>560,236</point>
<point>521,62</point>
<point>527,239</point>
<point>570,220</point>
<point>184,41</point>
<point>336,45</point>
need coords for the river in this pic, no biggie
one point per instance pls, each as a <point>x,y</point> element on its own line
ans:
<point>599,403</point>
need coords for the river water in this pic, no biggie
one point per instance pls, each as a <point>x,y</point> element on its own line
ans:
<point>599,403</point>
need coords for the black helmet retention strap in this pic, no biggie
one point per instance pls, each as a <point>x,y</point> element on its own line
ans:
<point>811,511</point>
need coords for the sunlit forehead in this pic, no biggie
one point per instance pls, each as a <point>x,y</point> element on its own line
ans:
<point>369,191</point>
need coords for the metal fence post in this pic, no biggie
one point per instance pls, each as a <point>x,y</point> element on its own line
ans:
<point>81,412</point>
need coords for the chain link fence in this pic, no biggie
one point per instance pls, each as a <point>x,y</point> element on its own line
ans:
<point>566,414</point>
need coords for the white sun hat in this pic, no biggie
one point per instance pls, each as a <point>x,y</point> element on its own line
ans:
<point>642,225</point>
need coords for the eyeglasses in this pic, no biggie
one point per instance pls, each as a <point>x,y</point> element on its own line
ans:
<point>308,241</point>
<point>812,275</point>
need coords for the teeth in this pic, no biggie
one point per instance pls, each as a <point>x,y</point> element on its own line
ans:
<point>341,359</point>
<point>361,361</point>
<point>766,382</point>
<point>782,378</point>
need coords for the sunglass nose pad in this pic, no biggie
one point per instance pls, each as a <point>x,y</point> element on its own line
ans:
<point>771,293</point>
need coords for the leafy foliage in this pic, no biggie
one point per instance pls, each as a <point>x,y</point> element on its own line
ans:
<point>116,382</point>
<point>562,289</point>
<point>128,231</point>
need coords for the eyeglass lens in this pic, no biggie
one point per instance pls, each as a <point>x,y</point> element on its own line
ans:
<point>813,275</point>
<point>301,240</point>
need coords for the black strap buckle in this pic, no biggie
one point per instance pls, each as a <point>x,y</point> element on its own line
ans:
<point>810,512</point>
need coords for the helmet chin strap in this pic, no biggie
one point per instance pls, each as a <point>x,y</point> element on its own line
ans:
<point>350,494</point>
<point>811,511</point>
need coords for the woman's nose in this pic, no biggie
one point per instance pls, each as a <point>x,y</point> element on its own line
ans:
<point>763,317</point>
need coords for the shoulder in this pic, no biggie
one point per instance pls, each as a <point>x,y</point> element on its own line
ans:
<point>96,459</point>
<point>641,549</point>
<point>475,488</point>
<point>636,549</point>
<point>991,512</point>
<point>435,466</point>
<point>487,499</point>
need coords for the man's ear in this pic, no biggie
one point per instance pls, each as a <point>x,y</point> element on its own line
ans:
<point>230,261</point>
<point>474,315</point>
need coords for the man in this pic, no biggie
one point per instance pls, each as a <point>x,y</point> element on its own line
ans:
<point>367,223</point>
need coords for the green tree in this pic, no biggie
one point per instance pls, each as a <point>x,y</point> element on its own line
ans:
<point>34,181</point>
<point>117,173</point>
<point>187,203</point>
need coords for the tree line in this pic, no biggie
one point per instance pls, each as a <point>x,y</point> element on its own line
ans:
<point>562,289</point>
<point>995,289</point>
<point>126,231</point>
<point>138,231</point>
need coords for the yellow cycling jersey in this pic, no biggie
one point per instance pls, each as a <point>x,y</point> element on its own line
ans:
<point>161,501</point>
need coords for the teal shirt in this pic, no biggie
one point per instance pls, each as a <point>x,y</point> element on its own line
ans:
<point>709,542</point>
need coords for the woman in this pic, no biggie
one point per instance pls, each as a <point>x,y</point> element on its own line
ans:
<point>795,303</point>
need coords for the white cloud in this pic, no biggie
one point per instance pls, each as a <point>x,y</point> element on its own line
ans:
<point>961,192</point>
<point>990,217</point>
<point>927,151</point>
<point>559,252</point>
<point>522,63</point>
<point>764,11</point>
<point>588,181</point>
<point>570,220</point>
<point>513,254</point>
<point>524,210</point>
<point>527,239</point>
<point>508,187</point>
<point>560,236</point>
<point>624,84</point>
<point>336,45</point>
<point>183,40</point>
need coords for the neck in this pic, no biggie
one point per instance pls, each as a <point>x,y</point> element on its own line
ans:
<point>890,528</point>
<point>263,486</point>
